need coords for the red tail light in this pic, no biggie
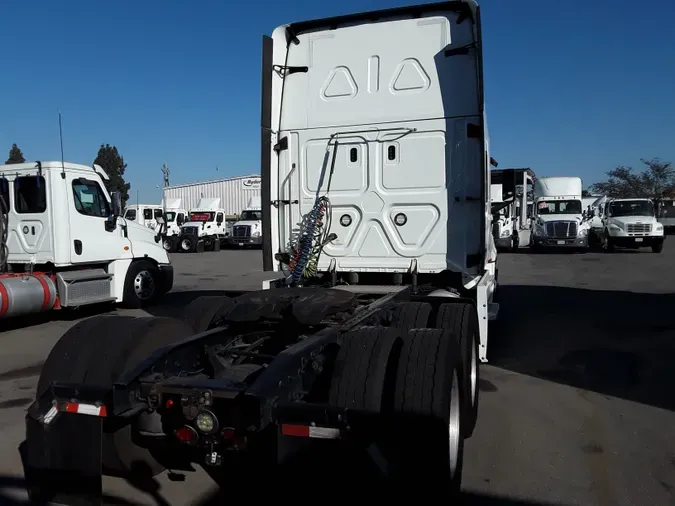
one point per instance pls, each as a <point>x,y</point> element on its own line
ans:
<point>187,434</point>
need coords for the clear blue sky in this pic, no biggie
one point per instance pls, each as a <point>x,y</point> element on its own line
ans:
<point>573,87</point>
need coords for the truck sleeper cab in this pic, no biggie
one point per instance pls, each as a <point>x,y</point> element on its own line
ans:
<point>364,269</point>
<point>67,246</point>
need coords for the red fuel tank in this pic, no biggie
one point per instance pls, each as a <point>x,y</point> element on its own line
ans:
<point>22,294</point>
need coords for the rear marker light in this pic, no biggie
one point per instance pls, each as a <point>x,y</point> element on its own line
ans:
<point>187,434</point>
<point>84,409</point>
<point>311,432</point>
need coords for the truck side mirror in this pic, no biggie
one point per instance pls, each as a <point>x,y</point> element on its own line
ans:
<point>116,198</point>
<point>179,220</point>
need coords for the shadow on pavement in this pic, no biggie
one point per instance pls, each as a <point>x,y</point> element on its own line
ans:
<point>8,483</point>
<point>611,342</point>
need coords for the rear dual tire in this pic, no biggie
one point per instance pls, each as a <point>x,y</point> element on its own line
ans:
<point>412,379</point>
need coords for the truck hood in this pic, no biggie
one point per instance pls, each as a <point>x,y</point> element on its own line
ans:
<point>250,223</point>
<point>143,243</point>
<point>632,220</point>
<point>559,217</point>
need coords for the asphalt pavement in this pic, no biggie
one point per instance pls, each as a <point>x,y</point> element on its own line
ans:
<point>576,405</point>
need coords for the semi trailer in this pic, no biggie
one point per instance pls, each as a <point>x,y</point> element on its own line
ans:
<point>64,243</point>
<point>368,334</point>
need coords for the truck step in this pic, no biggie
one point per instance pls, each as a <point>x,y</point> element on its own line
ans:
<point>83,287</point>
<point>493,311</point>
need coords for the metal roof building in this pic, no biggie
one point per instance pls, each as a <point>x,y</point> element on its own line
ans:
<point>234,192</point>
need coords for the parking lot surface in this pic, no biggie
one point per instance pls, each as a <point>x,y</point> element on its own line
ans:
<point>576,404</point>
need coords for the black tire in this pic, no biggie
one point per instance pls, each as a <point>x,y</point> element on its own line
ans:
<point>427,402</point>
<point>187,243</point>
<point>203,312</point>
<point>461,321</point>
<point>657,247</point>
<point>364,369</point>
<point>216,244</point>
<point>96,352</point>
<point>411,315</point>
<point>142,285</point>
<point>170,243</point>
<point>199,247</point>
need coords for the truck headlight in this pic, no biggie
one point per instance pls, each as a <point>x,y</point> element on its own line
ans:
<point>583,232</point>
<point>255,232</point>
<point>505,233</point>
<point>539,231</point>
<point>658,228</point>
<point>614,227</point>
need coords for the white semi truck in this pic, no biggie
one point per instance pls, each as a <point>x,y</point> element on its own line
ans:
<point>510,219</point>
<point>369,333</point>
<point>204,229</point>
<point>144,214</point>
<point>247,230</point>
<point>63,243</point>
<point>174,217</point>
<point>630,223</point>
<point>558,220</point>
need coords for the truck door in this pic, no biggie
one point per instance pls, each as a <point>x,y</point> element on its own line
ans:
<point>30,212</point>
<point>88,210</point>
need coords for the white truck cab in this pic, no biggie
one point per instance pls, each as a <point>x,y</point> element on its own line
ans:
<point>174,217</point>
<point>64,243</point>
<point>558,219</point>
<point>247,230</point>
<point>144,214</point>
<point>631,223</point>
<point>204,228</point>
<point>502,219</point>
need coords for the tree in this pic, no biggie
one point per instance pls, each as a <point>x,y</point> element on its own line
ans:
<point>585,194</point>
<point>15,155</point>
<point>112,162</point>
<point>656,181</point>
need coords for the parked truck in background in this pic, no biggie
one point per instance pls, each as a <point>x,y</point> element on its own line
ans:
<point>63,243</point>
<point>174,218</point>
<point>144,214</point>
<point>558,220</point>
<point>509,194</point>
<point>364,270</point>
<point>204,229</point>
<point>247,230</point>
<point>631,223</point>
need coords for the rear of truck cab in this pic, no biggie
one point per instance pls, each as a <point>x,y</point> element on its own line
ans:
<point>386,119</point>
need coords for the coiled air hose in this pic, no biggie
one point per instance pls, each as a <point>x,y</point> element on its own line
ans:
<point>4,223</point>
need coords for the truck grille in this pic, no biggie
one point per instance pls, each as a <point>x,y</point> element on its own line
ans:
<point>241,231</point>
<point>190,230</point>
<point>639,228</point>
<point>561,229</point>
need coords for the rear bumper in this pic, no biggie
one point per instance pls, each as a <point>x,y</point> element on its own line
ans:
<point>548,242</point>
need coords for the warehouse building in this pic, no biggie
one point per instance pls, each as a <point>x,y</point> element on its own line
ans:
<point>234,193</point>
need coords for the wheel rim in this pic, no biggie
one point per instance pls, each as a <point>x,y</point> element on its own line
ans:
<point>473,375</point>
<point>167,244</point>
<point>454,427</point>
<point>144,285</point>
<point>185,244</point>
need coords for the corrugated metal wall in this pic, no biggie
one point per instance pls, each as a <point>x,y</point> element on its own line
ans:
<point>234,193</point>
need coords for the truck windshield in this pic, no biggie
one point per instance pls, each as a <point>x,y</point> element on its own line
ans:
<point>170,216</point>
<point>559,207</point>
<point>251,216</point>
<point>202,216</point>
<point>631,208</point>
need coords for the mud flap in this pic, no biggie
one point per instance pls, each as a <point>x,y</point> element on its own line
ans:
<point>62,460</point>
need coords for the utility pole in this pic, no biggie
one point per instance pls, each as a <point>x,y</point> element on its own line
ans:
<point>165,171</point>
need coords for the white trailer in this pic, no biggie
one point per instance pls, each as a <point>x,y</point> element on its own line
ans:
<point>558,220</point>
<point>234,193</point>
<point>376,204</point>
<point>63,243</point>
